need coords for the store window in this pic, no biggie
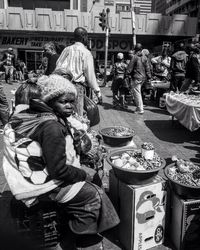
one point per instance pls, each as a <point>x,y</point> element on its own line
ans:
<point>33,59</point>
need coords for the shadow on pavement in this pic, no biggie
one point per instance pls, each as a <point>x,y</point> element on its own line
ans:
<point>175,133</point>
<point>108,106</point>
<point>197,149</point>
<point>158,111</point>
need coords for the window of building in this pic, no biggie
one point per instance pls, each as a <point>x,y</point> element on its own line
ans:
<point>52,4</point>
<point>83,6</point>
<point>126,8</point>
<point>75,4</point>
<point>33,59</point>
<point>109,2</point>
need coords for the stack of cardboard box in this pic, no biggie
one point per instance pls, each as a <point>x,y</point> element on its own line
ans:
<point>142,212</point>
<point>185,223</point>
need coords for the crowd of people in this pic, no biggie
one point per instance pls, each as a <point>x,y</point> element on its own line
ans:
<point>180,68</point>
<point>47,120</point>
<point>14,69</point>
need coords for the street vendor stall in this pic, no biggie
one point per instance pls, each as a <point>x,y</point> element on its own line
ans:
<point>185,108</point>
<point>158,88</point>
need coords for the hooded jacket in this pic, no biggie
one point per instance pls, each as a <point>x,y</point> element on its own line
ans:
<point>55,138</point>
<point>178,63</point>
<point>193,68</point>
<point>139,67</point>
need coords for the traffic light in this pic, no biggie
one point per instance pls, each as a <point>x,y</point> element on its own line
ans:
<point>102,19</point>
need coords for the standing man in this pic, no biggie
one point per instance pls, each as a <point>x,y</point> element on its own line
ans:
<point>192,75</point>
<point>9,63</point>
<point>4,108</point>
<point>178,67</point>
<point>52,57</point>
<point>130,56</point>
<point>77,62</point>
<point>139,69</point>
<point>118,71</point>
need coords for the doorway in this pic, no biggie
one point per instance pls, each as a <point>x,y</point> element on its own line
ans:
<point>33,59</point>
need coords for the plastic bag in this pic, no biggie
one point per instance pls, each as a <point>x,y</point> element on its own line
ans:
<point>92,111</point>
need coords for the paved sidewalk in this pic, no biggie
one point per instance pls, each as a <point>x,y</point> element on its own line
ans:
<point>154,126</point>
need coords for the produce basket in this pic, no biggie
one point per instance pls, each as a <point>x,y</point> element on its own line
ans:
<point>181,189</point>
<point>132,176</point>
<point>117,136</point>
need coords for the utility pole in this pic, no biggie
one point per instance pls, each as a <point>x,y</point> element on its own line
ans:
<point>198,19</point>
<point>132,6</point>
<point>104,24</point>
<point>106,45</point>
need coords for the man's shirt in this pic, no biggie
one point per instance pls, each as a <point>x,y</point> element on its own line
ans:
<point>77,61</point>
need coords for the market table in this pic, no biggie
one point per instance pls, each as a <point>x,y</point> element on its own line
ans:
<point>185,108</point>
<point>158,88</point>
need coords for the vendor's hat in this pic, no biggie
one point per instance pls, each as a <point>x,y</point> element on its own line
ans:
<point>10,49</point>
<point>54,86</point>
<point>120,56</point>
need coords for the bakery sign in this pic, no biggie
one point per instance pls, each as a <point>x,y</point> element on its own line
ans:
<point>97,44</point>
<point>29,42</point>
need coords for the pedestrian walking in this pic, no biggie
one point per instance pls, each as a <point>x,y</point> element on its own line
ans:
<point>139,70</point>
<point>9,64</point>
<point>77,62</point>
<point>178,67</point>
<point>56,173</point>
<point>4,108</point>
<point>52,56</point>
<point>119,90</point>
<point>146,87</point>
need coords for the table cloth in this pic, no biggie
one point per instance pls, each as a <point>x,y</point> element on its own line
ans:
<point>185,108</point>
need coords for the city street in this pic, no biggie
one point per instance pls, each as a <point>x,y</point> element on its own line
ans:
<point>154,126</point>
<point>70,188</point>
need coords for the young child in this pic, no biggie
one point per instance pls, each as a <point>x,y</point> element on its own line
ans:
<point>56,171</point>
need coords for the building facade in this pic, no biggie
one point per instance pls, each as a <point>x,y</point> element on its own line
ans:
<point>144,5</point>
<point>27,25</point>
<point>159,6</point>
<point>141,6</point>
<point>187,7</point>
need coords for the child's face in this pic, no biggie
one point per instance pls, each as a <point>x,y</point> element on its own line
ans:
<point>64,105</point>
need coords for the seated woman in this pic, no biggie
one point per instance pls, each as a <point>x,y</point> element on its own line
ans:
<point>42,157</point>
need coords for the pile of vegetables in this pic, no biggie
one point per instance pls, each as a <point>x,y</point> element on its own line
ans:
<point>148,146</point>
<point>135,161</point>
<point>119,131</point>
<point>185,172</point>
